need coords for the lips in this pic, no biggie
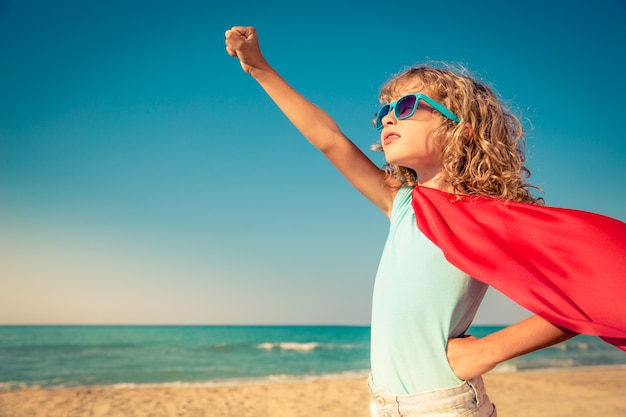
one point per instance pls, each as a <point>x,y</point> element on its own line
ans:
<point>389,137</point>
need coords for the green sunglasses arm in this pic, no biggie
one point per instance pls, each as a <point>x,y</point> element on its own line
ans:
<point>439,107</point>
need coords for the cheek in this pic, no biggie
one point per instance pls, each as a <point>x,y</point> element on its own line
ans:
<point>433,141</point>
<point>438,138</point>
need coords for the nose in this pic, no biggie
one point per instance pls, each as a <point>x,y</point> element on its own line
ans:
<point>389,118</point>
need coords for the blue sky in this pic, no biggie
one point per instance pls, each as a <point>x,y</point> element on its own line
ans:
<point>144,178</point>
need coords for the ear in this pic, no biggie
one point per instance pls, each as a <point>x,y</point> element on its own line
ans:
<point>469,131</point>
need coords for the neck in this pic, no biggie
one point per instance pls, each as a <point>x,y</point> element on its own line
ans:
<point>433,181</point>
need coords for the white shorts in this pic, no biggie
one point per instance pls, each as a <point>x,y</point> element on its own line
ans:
<point>468,399</point>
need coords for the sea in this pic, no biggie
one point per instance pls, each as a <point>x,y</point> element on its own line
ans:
<point>134,356</point>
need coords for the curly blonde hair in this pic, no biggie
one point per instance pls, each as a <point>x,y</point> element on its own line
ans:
<point>483,154</point>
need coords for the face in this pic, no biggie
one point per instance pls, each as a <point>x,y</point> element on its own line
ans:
<point>411,142</point>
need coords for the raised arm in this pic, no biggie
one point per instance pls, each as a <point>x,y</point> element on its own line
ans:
<point>314,123</point>
<point>470,356</point>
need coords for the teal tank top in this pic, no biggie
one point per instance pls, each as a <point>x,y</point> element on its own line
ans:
<point>419,301</point>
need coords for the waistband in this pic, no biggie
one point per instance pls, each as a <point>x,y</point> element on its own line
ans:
<point>468,392</point>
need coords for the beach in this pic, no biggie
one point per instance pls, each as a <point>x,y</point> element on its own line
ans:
<point>595,391</point>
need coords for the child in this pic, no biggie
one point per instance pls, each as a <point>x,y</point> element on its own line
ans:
<point>441,133</point>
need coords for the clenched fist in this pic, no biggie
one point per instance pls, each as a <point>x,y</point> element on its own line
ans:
<point>242,42</point>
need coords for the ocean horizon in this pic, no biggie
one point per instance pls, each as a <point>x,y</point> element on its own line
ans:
<point>54,356</point>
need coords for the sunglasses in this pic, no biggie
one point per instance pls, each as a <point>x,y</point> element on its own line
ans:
<point>405,107</point>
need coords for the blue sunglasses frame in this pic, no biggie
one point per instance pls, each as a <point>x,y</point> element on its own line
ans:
<point>386,109</point>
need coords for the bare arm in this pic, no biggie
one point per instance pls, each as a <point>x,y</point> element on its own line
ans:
<point>470,357</point>
<point>315,124</point>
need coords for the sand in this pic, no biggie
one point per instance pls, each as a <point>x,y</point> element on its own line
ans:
<point>582,392</point>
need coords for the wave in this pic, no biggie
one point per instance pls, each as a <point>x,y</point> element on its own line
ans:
<point>571,346</point>
<point>298,347</point>
<point>270,379</point>
<point>504,368</point>
<point>304,347</point>
<point>11,385</point>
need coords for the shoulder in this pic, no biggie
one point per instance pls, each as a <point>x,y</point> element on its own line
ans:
<point>404,192</point>
<point>402,200</point>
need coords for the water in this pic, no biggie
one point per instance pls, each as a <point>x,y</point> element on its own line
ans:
<point>67,356</point>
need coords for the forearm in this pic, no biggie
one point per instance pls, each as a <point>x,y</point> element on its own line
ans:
<point>317,126</point>
<point>526,336</point>
<point>314,123</point>
<point>521,338</point>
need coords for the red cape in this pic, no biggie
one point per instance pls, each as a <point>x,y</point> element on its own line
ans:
<point>567,266</point>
